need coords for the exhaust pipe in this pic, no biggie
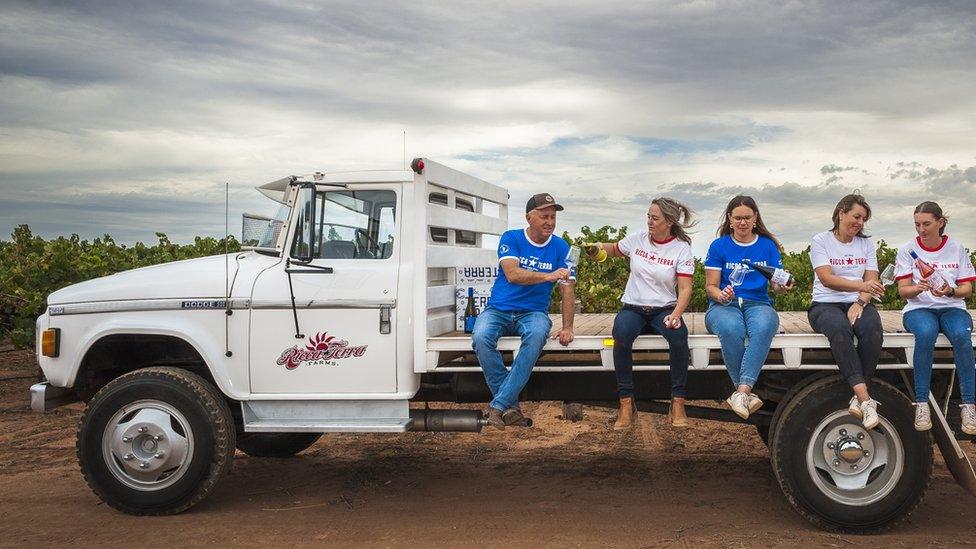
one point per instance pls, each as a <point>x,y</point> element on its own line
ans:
<point>462,421</point>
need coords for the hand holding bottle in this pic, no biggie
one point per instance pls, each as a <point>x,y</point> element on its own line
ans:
<point>595,252</point>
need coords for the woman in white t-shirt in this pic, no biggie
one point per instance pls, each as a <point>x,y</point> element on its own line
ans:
<point>845,268</point>
<point>937,302</point>
<point>657,293</point>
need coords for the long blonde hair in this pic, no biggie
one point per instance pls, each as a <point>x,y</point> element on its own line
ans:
<point>678,215</point>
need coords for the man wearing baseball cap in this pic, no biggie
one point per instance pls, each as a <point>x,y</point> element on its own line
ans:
<point>530,262</point>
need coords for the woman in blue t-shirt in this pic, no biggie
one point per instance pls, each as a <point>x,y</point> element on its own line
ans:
<point>742,308</point>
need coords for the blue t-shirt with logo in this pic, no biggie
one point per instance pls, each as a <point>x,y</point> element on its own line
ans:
<point>724,253</point>
<point>544,258</point>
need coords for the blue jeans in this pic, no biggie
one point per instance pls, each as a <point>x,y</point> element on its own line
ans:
<point>533,327</point>
<point>732,323</point>
<point>957,325</point>
<point>633,321</point>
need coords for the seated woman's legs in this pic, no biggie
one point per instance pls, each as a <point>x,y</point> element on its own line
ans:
<point>924,325</point>
<point>728,323</point>
<point>957,325</point>
<point>626,327</point>
<point>761,324</point>
<point>678,351</point>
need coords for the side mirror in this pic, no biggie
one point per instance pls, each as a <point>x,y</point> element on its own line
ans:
<point>305,232</point>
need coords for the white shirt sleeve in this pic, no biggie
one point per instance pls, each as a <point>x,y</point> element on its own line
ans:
<point>626,245</point>
<point>871,253</point>
<point>818,252</point>
<point>966,271</point>
<point>685,262</point>
<point>903,264</point>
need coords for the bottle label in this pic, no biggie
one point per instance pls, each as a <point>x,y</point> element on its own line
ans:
<point>781,277</point>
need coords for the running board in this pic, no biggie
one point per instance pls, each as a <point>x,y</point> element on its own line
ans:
<point>331,416</point>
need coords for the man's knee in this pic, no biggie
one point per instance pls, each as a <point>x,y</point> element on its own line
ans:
<point>484,338</point>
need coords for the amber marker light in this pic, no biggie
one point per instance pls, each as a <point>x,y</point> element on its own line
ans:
<point>51,342</point>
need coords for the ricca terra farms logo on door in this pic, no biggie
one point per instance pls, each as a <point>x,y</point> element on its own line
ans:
<point>321,349</point>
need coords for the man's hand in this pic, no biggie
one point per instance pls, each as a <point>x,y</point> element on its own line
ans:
<point>558,274</point>
<point>565,336</point>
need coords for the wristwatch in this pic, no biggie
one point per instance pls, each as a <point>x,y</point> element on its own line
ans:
<point>861,302</point>
<point>951,292</point>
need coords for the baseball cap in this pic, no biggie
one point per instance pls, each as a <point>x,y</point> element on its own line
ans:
<point>541,200</point>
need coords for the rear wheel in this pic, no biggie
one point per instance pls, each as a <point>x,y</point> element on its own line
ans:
<point>845,478</point>
<point>155,441</point>
<point>275,445</point>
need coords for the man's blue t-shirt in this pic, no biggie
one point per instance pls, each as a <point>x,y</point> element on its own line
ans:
<point>545,258</point>
<point>724,253</point>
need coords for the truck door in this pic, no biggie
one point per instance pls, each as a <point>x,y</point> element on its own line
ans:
<point>345,300</point>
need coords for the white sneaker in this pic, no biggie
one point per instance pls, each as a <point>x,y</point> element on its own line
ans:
<point>968,412</point>
<point>869,411</point>
<point>754,403</point>
<point>854,408</point>
<point>923,419</point>
<point>739,402</point>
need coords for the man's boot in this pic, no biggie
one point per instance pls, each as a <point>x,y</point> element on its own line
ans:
<point>625,418</point>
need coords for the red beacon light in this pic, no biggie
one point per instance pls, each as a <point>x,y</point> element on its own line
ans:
<point>417,165</point>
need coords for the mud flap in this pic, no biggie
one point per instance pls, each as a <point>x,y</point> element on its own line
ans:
<point>955,458</point>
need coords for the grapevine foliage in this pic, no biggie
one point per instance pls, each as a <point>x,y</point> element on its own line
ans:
<point>32,267</point>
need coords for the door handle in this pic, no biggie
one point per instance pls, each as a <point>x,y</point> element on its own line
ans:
<point>385,319</point>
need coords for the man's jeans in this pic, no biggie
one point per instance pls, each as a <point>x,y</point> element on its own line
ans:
<point>492,324</point>
<point>957,325</point>
<point>732,323</point>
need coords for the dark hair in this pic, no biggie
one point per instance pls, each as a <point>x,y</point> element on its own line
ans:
<point>724,226</point>
<point>932,208</point>
<point>678,215</point>
<point>847,204</point>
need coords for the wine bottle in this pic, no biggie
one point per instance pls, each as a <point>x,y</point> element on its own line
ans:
<point>928,272</point>
<point>778,276</point>
<point>470,312</point>
<point>595,252</point>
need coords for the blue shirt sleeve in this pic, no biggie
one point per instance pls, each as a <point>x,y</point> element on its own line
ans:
<point>715,258</point>
<point>508,246</point>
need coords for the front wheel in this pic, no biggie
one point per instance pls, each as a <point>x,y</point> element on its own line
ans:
<point>155,441</point>
<point>841,476</point>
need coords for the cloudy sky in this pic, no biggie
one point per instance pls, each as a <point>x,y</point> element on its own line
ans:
<point>127,117</point>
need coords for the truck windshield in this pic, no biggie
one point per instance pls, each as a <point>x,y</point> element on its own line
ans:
<point>261,231</point>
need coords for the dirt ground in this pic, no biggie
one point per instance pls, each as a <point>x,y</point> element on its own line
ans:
<point>556,484</point>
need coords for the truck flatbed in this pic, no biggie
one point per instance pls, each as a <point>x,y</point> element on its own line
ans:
<point>592,349</point>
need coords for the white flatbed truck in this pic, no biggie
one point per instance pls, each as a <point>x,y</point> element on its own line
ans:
<point>341,313</point>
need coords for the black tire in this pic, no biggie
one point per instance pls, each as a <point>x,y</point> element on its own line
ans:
<point>781,405</point>
<point>200,424</point>
<point>275,445</point>
<point>882,491</point>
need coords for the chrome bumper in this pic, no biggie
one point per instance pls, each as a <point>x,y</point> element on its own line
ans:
<point>45,397</point>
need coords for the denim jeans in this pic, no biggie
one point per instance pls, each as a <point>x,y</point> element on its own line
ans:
<point>733,323</point>
<point>856,363</point>
<point>957,325</point>
<point>633,321</point>
<point>533,327</point>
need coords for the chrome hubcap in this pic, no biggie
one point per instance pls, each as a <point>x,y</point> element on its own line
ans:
<point>147,445</point>
<point>853,465</point>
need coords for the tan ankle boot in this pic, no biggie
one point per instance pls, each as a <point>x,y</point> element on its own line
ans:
<point>679,419</point>
<point>625,418</point>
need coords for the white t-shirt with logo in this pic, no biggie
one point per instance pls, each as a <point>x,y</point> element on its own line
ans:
<point>848,261</point>
<point>654,268</point>
<point>950,259</point>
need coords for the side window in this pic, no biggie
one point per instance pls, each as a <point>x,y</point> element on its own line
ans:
<point>439,234</point>
<point>353,225</point>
